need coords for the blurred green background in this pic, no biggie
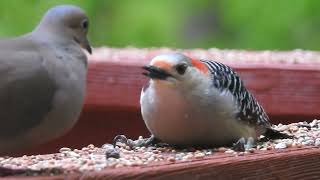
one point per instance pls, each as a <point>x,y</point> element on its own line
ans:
<point>240,24</point>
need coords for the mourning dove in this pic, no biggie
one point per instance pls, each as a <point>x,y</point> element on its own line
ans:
<point>42,79</point>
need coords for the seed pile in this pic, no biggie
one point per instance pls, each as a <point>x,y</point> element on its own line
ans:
<point>93,158</point>
<point>304,133</point>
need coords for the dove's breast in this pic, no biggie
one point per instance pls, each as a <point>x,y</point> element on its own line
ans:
<point>49,99</point>
<point>69,73</point>
<point>68,69</point>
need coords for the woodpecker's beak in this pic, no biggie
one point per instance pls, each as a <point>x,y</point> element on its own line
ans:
<point>156,73</point>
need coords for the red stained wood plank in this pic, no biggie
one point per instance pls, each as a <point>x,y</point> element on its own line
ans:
<point>285,83</point>
<point>293,163</point>
<point>285,164</point>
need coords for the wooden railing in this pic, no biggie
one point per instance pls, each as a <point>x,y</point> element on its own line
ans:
<point>287,84</point>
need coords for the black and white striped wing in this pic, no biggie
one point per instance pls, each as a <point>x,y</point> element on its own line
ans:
<point>225,78</point>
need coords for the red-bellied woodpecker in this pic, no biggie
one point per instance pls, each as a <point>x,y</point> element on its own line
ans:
<point>192,102</point>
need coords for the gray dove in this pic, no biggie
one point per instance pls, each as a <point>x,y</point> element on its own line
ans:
<point>43,79</point>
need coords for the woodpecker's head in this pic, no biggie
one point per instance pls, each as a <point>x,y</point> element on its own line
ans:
<point>176,69</point>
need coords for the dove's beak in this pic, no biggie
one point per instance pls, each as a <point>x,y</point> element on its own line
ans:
<point>86,45</point>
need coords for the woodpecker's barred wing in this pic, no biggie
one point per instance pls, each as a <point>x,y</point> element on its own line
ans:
<point>224,78</point>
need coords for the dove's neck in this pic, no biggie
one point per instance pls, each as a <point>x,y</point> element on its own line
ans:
<point>52,35</point>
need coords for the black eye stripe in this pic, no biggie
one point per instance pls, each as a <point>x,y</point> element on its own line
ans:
<point>181,68</point>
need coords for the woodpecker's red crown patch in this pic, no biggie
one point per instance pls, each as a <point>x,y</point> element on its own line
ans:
<point>201,66</point>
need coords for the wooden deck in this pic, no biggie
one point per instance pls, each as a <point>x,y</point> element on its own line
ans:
<point>294,163</point>
<point>287,84</point>
<point>286,164</point>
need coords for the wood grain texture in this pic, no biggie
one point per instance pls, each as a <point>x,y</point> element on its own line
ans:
<point>283,87</point>
<point>35,178</point>
<point>293,163</point>
<point>285,83</point>
<point>284,164</point>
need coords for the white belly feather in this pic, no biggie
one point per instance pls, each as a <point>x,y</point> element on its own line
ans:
<point>176,119</point>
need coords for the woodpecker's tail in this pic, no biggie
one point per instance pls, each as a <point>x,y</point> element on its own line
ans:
<point>274,134</point>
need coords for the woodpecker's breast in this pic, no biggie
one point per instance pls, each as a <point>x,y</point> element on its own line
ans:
<point>162,108</point>
<point>191,118</point>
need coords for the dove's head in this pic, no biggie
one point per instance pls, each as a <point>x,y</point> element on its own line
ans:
<point>69,22</point>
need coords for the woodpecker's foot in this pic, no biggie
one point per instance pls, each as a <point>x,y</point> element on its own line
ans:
<point>274,134</point>
<point>122,139</point>
<point>151,141</point>
<point>242,145</point>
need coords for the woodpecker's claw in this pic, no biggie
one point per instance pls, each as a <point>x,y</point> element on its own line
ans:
<point>241,145</point>
<point>136,143</point>
<point>120,138</point>
<point>123,139</point>
<point>152,140</point>
<point>274,134</point>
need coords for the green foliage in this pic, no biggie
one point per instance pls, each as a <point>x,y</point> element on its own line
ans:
<point>245,24</point>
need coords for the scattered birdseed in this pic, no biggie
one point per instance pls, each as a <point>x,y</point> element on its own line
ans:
<point>64,149</point>
<point>229,151</point>
<point>281,145</point>
<point>317,142</point>
<point>111,152</point>
<point>251,150</point>
<point>222,149</point>
<point>92,158</point>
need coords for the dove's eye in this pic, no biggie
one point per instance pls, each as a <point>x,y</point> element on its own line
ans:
<point>85,24</point>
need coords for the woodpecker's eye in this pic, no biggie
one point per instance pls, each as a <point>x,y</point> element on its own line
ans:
<point>181,68</point>
<point>85,24</point>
